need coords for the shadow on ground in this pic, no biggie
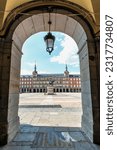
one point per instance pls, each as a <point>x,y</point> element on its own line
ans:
<point>50,138</point>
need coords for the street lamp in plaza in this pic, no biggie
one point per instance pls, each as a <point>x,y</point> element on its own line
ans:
<point>49,38</point>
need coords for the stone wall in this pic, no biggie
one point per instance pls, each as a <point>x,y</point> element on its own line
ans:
<point>95,90</point>
<point>13,118</point>
<point>89,67</point>
<point>4,88</point>
<point>9,91</point>
<point>87,118</point>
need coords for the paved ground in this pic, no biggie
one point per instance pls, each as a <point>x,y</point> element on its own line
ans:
<point>51,110</point>
<point>50,122</point>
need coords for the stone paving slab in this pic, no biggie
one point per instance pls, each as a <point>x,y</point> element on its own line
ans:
<point>84,146</point>
<point>63,109</point>
<point>50,138</point>
<point>50,128</point>
<point>25,137</point>
<point>28,129</point>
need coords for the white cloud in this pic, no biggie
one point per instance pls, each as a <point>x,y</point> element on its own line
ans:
<point>68,55</point>
<point>59,39</point>
<point>26,72</point>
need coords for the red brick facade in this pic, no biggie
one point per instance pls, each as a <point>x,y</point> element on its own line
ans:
<point>38,82</point>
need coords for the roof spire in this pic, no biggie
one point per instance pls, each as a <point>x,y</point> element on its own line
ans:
<point>35,67</point>
<point>66,68</point>
<point>66,72</point>
<point>35,73</point>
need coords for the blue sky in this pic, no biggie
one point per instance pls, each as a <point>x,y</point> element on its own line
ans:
<point>65,52</point>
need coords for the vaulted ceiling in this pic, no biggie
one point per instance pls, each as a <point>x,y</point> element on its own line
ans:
<point>39,22</point>
<point>92,6</point>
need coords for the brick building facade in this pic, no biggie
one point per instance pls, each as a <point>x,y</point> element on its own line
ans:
<point>38,82</point>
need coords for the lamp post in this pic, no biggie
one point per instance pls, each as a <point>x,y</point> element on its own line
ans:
<point>49,39</point>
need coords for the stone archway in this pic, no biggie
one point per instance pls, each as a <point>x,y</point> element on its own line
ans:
<point>80,30</point>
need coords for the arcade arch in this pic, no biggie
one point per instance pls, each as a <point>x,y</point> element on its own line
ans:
<point>76,27</point>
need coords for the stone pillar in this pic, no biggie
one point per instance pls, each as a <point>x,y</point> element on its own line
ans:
<point>4,84</point>
<point>95,90</point>
<point>13,119</point>
<point>89,67</point>
<point>9,91</point>
<point>87,118</point>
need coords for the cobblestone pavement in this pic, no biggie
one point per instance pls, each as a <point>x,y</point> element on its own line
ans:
<point>50,122</point>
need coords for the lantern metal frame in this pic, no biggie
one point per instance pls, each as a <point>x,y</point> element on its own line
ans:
<point>49,38</point>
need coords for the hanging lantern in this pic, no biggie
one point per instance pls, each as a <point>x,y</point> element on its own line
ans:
<point>49,39</point>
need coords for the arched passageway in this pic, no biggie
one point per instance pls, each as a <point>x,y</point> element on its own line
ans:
<point>18,30</point>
